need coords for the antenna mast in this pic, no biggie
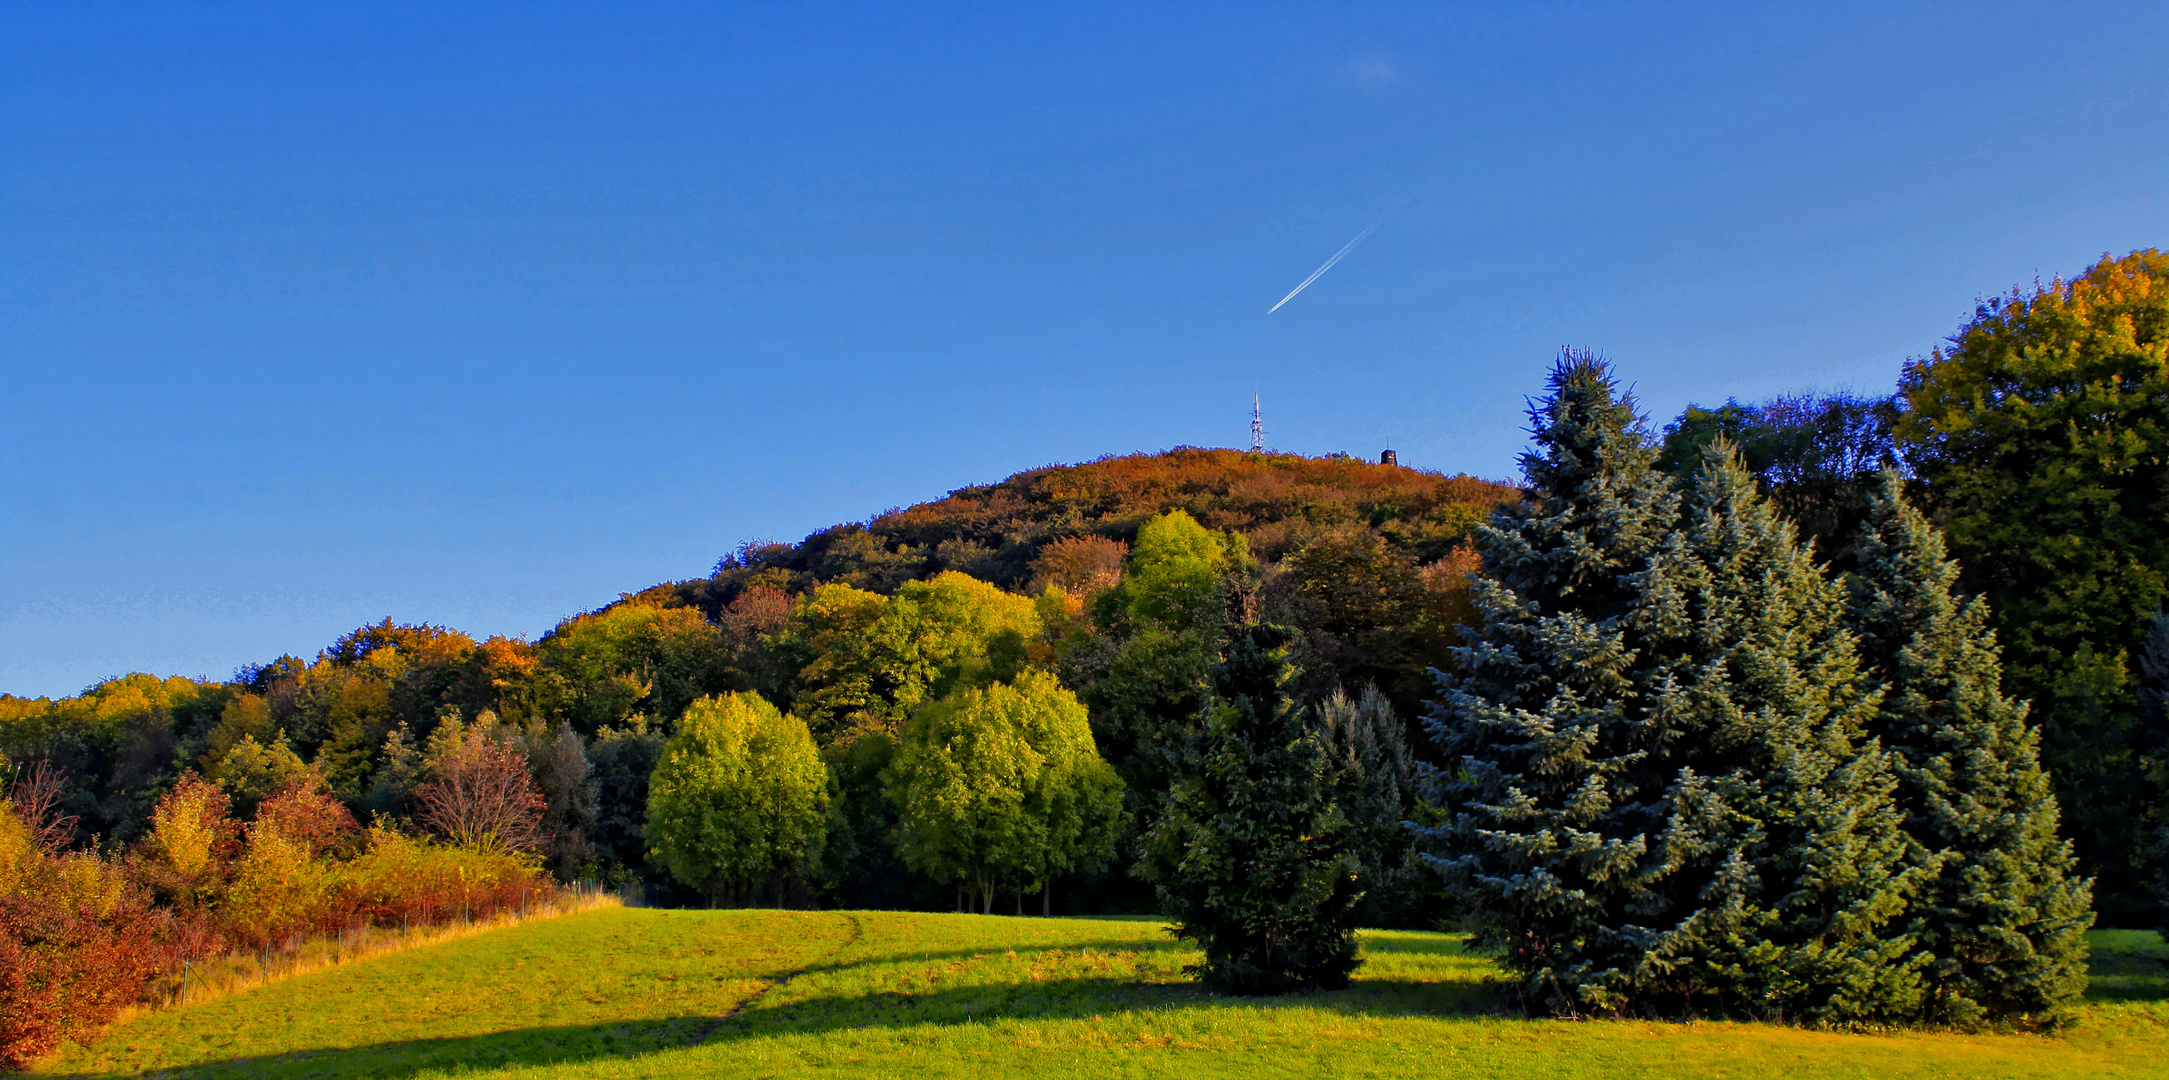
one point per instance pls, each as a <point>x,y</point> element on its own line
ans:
<point>1257,426</point>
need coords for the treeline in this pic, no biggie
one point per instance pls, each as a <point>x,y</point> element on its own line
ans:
<point>852,631</point>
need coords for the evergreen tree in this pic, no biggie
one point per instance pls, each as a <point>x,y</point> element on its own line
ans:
<point>1377,787</point>
<point>2006,917</point>
<point>1253,860</point>
<point>1783,864</point>
<point>1554,783</point>
<point>1658,801</point>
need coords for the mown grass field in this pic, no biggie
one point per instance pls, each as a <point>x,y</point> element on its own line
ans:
<point>627,992</point>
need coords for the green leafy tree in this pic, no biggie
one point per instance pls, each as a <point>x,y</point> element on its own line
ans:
<point>1147,677</point>
<point>2042,434</point>
<point>1003,784</point>
<point>1172,576</point>
<point>557,758</point>
<point>636,657</point>
<point>865,663</point>
<point>624,759</point>
<point>1075,801</point>
<point>1253,858</point>
<point>2006,916</point>
<point>740,798</point>
<point>1658,800</point>
<point>251,771</point>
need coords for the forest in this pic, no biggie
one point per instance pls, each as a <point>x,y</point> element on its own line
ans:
<point>1274,697</point>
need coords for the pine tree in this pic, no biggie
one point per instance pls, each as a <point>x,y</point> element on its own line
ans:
<point>1657,799</point>
<point>2006,916</point>
<point>1553,787</point>
<point>1252,859</point>
<point>1783,866</point>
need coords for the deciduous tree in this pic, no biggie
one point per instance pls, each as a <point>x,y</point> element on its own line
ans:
<point>740,798</point>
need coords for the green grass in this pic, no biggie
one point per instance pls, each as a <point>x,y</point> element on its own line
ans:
<point>626,993</point>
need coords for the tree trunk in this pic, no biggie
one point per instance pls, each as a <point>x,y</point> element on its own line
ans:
<point>1046,899</point>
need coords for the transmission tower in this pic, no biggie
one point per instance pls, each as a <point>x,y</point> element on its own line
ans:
<point>1257,427</point>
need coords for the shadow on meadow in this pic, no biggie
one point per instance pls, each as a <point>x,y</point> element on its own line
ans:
<point>1049,999</point>
<point>2128,966</point>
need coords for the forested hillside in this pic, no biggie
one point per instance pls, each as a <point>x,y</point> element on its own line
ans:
<point>850,628</point>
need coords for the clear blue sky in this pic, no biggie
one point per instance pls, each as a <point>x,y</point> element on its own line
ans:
<point>316,313</point>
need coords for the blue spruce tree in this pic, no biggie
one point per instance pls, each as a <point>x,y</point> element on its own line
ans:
<point>2005,919</point>
<point>1658,798</point>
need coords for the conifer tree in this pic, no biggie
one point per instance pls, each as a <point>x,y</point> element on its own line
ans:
<point>1553,786</point>
<point>1658,803</point>
<point>1253,860</point>
<point>1377,787</point>
<point>1783,865</point>
<point>2005,919</point>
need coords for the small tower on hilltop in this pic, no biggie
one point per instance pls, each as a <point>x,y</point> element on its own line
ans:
<point>1257,426</point>
<point>1388,458</point>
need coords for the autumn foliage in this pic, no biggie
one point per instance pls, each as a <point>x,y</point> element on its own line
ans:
<point>84,935</point>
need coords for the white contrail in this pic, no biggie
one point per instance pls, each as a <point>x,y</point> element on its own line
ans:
<point>1337,256</point>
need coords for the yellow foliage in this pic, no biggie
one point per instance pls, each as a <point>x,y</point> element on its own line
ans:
<point>90,884</point>
<point>277,887</point>
<point>184,830</point>
<point>20,859</point>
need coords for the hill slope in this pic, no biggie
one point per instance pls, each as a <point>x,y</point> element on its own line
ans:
<point>995,532</point>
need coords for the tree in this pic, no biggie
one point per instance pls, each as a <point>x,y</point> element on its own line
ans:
<point>740,798</point>
<point>865,663</point>
<point>557,758</point>
<point>2042,434</point>
<point>1377,787</point>
<point>1817,456</point>
<point>1658,802</point>
<point>1075,800</point>
<point>1003,784</point>
<point>1253,858</point>
<point>1783,866</point>
<point>480,795</point>
<point>2006,916</point>
<point>252,772</point>
<point>624,759</point>
<point>1554,783</point>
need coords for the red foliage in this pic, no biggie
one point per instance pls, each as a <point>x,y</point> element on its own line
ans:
<point>308,815</point>
<point>64,972</point>
<point>484,798</point>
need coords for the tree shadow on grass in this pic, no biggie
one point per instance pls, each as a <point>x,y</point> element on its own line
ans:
<point>2127,966</point>
<point>577,1045</point>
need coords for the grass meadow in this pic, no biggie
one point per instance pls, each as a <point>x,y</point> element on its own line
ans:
<point>617,992</point>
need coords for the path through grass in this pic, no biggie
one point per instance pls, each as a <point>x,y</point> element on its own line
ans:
<point>625,993</point>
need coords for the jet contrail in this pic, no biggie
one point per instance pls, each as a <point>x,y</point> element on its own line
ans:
<point>1350,246</point>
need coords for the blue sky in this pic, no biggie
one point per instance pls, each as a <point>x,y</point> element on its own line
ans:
<point>313,313</point>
